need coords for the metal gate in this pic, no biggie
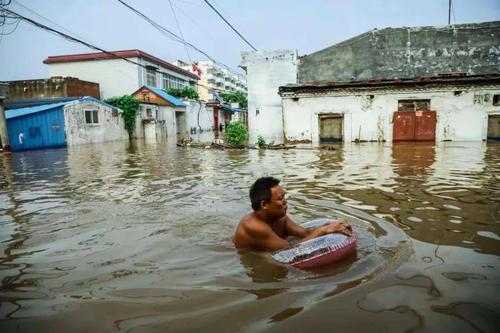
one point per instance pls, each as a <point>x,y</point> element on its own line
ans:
<point>414,126</point>
<point>330,128</point>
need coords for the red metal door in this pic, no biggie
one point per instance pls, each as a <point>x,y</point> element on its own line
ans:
<point>425,125</point>
<point>404,126</point>
<point>414,126</point>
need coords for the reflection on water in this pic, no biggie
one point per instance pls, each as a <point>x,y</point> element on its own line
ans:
<point>134,237</point>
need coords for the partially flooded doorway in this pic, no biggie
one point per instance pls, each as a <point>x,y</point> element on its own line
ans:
<point>493,127</point>
<point>414,121</point>
<point>330,128</point>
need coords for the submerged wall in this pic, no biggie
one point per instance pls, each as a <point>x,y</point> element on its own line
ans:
<point>462,114</point>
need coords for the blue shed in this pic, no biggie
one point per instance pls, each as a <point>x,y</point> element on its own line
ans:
<point>36,127</point>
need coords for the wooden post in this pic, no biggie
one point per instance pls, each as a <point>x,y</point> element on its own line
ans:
<point>4,135</point>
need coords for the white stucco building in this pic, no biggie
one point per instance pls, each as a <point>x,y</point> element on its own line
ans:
<point>393,84</point>
<point>118,77</point>
<point>266,72</point>
<point>459,109</point>
<point>89,120</point>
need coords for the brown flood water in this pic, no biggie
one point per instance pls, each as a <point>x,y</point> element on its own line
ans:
<point>135,238</point>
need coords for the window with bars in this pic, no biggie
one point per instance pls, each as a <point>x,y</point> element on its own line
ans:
<point>170,81</point>
<point>151,76</point>
<point>414,104</point>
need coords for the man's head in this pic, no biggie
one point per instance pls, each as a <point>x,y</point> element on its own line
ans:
<point>268,196</point>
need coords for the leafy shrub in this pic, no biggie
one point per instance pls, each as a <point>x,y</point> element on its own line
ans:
<point>263,144</point>
<point>236,133</point>
<point>129,106</point>
<point>236,97</point>
<point>186,93</point>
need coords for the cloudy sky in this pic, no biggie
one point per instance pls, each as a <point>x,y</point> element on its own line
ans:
<point>306,26</point>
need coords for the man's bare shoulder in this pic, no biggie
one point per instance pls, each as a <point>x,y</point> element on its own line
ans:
<point>252,224</point>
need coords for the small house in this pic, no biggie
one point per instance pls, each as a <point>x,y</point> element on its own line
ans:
<point>79,121</point>
<point>160,115</point>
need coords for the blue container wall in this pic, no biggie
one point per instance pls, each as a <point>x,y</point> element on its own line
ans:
<point>44,129</point>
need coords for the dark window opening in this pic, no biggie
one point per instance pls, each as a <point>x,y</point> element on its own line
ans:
<point>496,100</point>
<point>414,104</point>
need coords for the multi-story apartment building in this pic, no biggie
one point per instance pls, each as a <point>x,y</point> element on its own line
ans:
<point>116,76</point>
<point>214,78</point>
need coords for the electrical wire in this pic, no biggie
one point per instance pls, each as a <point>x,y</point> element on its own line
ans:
<point>87,44</point>
<point>45,18</point>
<point>229,24</point>
<point>180,31</point>
<point>115,67</point>
<point>172,35</point>
<point>76,40</point>
<point>12,31</point>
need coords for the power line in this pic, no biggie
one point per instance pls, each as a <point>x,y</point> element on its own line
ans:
<point>45,18</point>
<point>172,35</point>
<point>76,40</point>
<point>180,31</point>
<point>229,24</point>
<point>88,44</point>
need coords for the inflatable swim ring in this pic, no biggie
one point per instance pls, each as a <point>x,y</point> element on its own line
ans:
<point>319,251</point>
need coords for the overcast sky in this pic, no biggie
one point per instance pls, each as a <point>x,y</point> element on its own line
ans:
<point>307,26</point>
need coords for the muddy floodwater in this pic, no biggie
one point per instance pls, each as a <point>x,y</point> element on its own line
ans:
<point>135,238</point>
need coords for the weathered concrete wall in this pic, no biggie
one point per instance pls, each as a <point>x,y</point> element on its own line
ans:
<point>109,128</point>
<point>462,114</point>
<point>407,52</point>
<point>266,71</point>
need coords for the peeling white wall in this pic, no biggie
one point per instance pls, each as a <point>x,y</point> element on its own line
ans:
<point>116,77</point>
<point>199,116</point>
<point>266,71</point>
<point>109,128</point>
<point>460,117</point>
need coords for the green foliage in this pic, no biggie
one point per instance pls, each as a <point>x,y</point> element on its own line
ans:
<point>236,133</point>
<point>129,106</point>
<point>186,93</point>
<point>262,143</point>
<point>236,97</point>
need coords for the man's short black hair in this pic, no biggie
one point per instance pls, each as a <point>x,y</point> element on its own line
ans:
<point>261,190</point>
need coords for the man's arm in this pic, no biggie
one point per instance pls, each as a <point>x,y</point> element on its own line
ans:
<point>293,229</point>
<point>335,226</point>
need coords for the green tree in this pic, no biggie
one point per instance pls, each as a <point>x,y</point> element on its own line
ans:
<point>185,92</point>
<point>129,107</point>
<point>236,133</point>
<point>236,97</point>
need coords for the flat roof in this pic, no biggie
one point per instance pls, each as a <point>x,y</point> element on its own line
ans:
<point>417,82</point>
<point>116,55</point>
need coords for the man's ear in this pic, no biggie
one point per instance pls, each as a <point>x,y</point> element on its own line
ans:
<point>263,204</point>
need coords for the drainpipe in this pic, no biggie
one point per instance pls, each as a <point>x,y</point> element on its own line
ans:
<point>4,135</point>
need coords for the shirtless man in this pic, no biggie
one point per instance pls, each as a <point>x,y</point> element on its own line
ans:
<point>268,225</point>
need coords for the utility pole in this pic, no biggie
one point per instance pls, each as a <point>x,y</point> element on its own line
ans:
<point>449,12</point>
<point>4,135</point>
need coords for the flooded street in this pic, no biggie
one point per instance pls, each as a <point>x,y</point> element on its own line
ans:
<point>135,238</point>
